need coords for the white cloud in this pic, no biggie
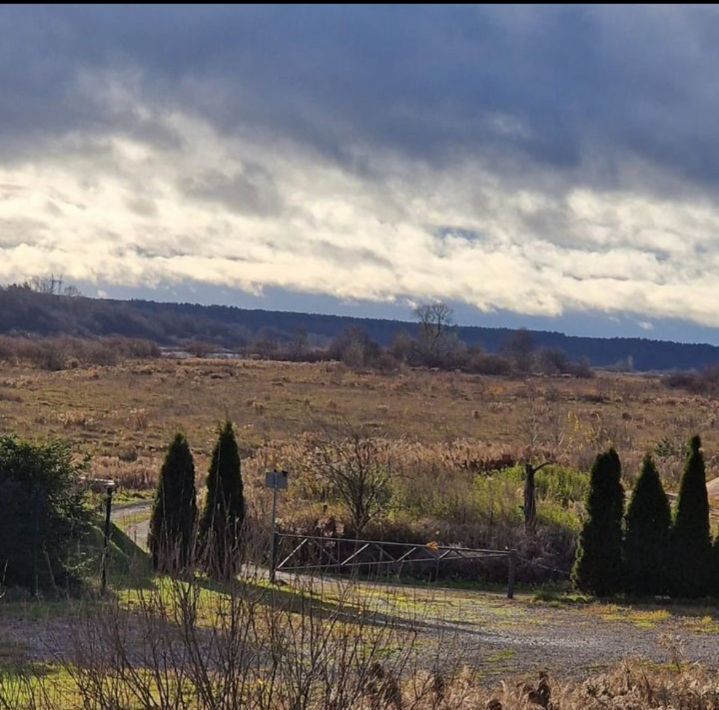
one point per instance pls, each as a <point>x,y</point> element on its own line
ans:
<point>255,211</point>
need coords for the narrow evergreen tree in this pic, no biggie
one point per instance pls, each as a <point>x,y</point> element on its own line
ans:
<point>598,565</point>
<point>175,509</point>
<point>225,506</point>
<point>646,539</point>
<point>691,537</point>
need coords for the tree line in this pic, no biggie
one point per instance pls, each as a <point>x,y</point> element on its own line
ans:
<point>30,309</point>
<point>645,550</point>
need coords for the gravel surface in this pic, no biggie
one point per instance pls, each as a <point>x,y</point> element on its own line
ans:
<point>524,635</point>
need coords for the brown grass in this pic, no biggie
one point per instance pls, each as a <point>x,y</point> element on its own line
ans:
<point>445,430</point>
<point>631,685</point>
<point>105,410</point>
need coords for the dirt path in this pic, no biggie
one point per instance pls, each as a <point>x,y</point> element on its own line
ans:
<point>134,519</point>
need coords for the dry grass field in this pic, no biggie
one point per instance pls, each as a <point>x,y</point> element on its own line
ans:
<point>438,430</point>
<point>124,415</point>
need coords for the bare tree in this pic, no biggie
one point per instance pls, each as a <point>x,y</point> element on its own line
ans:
<point>435,323</point>
<point>542,430</point>
<point>520,348</point>
<point>357,468</point>
<point>299,345</point>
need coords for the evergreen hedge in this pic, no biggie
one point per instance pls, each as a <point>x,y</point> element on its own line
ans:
<point>598,566</point>
<point>646,541</point>
<point>43,515</point>
<point>691,554</point>
<point>224,512</point>
<point>175,509</point>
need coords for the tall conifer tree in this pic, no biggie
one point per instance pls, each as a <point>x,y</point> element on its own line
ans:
<point>225,506</point>
<point>598,566</point>
<point>691,537</point>
<point>646,540</point>
<point>175,509</point>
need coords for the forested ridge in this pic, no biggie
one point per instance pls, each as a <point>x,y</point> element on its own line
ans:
<point>25,311</point>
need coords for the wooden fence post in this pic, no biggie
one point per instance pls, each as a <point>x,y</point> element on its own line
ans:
<point>512,571</point>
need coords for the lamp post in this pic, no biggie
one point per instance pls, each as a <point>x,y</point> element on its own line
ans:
<point>97,485</point>
<point>109,489</point>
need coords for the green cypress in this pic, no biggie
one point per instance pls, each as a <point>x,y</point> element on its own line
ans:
<point>646,541</point>
<point>175,509</point>
<point>225,506</point>
<point>598,565</point>
<point>691,537</point>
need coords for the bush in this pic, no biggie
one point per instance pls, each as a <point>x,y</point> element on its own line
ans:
<point>42,514</point>
<point>647,534</point>
<point>562,485</point>
<point>691,537</point>
<point>59,353</point>
<point>598,567</point>
<point>481,363</point>
<point>704,382</point>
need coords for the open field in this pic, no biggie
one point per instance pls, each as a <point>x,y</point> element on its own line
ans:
<point>124,415</point>
<point>445,432</point>
<point>440,432</point>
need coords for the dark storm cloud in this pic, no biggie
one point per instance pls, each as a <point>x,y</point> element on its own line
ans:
<point>553,87</point>
<point>539,161</point>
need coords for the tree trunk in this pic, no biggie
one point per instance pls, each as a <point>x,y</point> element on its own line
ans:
<point>530,500</point>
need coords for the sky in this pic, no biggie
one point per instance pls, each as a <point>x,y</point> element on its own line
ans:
<point>548,167</point>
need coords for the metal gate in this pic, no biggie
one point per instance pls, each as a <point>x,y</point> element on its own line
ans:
<point>312,553</point>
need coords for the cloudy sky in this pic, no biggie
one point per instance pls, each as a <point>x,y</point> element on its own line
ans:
<point>550,167</point>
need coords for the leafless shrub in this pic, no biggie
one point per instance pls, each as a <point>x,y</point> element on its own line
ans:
<point>139,419</point>
<point>188,642</point>
<point>59,353</point>
<point>357,468</point>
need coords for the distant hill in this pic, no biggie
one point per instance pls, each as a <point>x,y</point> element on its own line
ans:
<point>25,311</point>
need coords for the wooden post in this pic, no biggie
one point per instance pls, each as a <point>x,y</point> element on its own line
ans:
<point>512,568</point>
<point>35,544</point>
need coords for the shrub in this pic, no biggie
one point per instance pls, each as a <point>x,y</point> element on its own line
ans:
<point>704,382</point>
<point>647,534</point>
<point>174,511</point>
<point>356,469</point>
<point>561,484</point>
<point>691,537</point>
<point>42,514</point>
<point>481,363</point>
<point>598,566</point>
<point>225,507</point>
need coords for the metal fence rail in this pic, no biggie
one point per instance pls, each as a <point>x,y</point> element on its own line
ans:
<point>310,553</point>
